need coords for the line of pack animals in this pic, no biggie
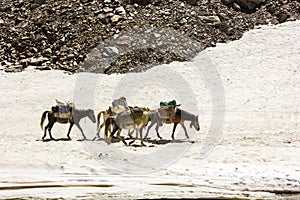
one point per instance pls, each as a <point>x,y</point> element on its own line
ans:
<point>120,116</point>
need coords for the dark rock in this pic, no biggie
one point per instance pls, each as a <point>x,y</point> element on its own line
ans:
<point>39,2</point>
<point>38,61</point>
<point>192,2</point>
<point>14,68</point>
<point>104,18</point>
<point>120,11</point>
<point>271,9</point>
<point>248,5</point>
<point>227,2</point>
<point>85,1</point>
<point>183,21</point>
<point>45,67</point>
<point>211,20</point>
<point>236,7</point>
<point>34,6</point>
<point>282,17</point>
<point>139,2</point>
<point>24,62</point>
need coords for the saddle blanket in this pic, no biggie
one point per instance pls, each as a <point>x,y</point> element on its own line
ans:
<point>63,112</point>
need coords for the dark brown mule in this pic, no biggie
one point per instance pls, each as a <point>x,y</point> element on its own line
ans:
<point>179,117</point>
<point>77,116</point>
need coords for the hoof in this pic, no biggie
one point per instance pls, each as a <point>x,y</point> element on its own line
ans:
<point>107,141</point>
<point>125,143</point>
<point>145,138</point>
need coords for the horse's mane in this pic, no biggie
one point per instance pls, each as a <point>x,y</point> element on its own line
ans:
<point>81,110</point>
<point>185,113</point>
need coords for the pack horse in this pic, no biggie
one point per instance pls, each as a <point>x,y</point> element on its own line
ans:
<point>133,118</point>
<point>178,116</point>
<point>65,114</point>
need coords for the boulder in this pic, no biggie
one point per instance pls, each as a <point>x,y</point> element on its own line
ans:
<point>248,5</point>
<point>191,2</point>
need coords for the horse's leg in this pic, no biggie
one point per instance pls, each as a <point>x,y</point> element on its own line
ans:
<point>109,139</point>
<point>149,127</point>
<point>79,127</point>
<point>130,133</point>
<point>174,128</point>
<point>101,126</point>
<point>185,132</point>
<point>136,136</point>
<point>68,135</point>
<point>141,136</point>
<point>49,130</point>
<point>121,138</point>
<point>156,128</point>
<point>45,132</point>
<point>98,130</point>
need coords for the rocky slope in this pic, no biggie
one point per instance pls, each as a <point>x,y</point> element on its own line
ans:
<point>61,34</point>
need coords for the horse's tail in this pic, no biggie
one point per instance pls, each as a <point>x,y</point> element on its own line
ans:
<point>43,118</point>
<point>98,118</point>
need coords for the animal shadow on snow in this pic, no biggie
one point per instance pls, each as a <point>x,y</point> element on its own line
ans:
<point>63,139</point>
<point>55,140</point>
<point>167,141</point>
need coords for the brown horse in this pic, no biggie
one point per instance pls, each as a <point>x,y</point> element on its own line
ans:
<point>178,117</point>
<point>109,115</point>
<point>133,118</point>
<point>106,114</point>
<point>76,117</point>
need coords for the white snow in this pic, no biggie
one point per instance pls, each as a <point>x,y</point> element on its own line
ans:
<point>252,153</point>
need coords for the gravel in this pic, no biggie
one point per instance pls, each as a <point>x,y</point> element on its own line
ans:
<point>120,36</point>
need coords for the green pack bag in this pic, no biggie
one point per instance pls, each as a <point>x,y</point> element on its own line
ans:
<point>164,103</point>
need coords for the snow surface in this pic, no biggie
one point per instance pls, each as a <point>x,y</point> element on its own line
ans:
<point>246,94</point>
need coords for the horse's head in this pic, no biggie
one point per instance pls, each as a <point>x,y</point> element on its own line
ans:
<point>195,123</point>
<point>91,115</point>
<point>143,108</point>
